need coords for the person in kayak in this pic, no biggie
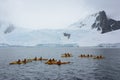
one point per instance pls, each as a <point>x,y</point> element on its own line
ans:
<point>49,60</point>
<point>100,56</point>
<point>24,61</point>
<point>40,58</point>
<point>68,54</point>
<point>59,62</point>
<point>18,61</point>
<point>53,59</point>
<point>88,55</point>
<point>35,58</point>
<point>84,55</point>
<point>81,55</point>
<point>65,54</point>
<point>91,55</point>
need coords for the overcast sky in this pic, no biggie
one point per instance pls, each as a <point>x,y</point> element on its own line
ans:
<point>53,14</point>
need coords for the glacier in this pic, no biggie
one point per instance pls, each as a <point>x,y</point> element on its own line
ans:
<point>80,37</point>
<point>81,32</point>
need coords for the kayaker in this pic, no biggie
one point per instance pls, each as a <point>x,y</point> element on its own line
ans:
<point>81,55</point>
<point>53,59</point>
<point>35,58</point>
<point>88,55</point>
<point>91,55</point>
<point>68,54</point>
<point>40,58</point>
<point>100,56</point>
<point>49,60</point>
<point>25,61</point>
<point>65,54</point>
<point>18,61</point>
<point>59,62</point>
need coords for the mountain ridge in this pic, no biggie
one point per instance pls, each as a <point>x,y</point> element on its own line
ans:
<point>100,22</point>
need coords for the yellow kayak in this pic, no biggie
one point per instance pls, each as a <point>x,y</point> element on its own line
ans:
<point>51,62</point>
<point>98,58</point>
<point>16,62</point>
<point>66,55</point>
<point>56,63</point>
<point>21,62</point>
<point>62,63</point>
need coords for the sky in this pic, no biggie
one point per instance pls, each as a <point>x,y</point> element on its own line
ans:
<point>53,14</point>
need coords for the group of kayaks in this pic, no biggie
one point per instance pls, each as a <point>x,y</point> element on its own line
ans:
<point>54,61</point>
<point>28,60</point>
<point>91,56</point>
<point>48,61</point>
<point>66,55</point>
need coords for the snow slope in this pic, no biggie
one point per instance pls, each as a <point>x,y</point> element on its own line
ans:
<point>89,36</point>
<point>86,23</point>
<point>81,37</point>
<point>81,33</point>
<point>24,37</point>
<point>93,38</point>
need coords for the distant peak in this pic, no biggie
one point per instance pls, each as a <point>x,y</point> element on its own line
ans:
<point>103,12</point>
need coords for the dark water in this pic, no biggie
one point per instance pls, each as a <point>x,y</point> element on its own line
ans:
<point>79,69</point>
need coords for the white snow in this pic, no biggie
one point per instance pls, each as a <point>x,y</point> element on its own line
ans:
<point>94,38</point>
<point>81,34</point>
<point>81,37</point>
<point>91,37</point>
<point>85,24</point>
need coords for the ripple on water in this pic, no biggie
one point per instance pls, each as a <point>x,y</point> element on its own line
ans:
<point>80,69</point>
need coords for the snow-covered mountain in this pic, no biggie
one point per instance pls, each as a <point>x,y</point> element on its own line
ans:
<point>96,29</point>
<point>91,31</point>
<point>99,21</point>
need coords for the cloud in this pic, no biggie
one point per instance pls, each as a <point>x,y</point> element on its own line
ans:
<point>110,6</point>
<point>42,13</point>
<point>53,14</point>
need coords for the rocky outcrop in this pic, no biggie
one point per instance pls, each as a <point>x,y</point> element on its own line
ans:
<point>105,24</point>
<point>9,29</point>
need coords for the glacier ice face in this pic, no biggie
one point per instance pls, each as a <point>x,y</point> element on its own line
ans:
<point>86,32</point>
